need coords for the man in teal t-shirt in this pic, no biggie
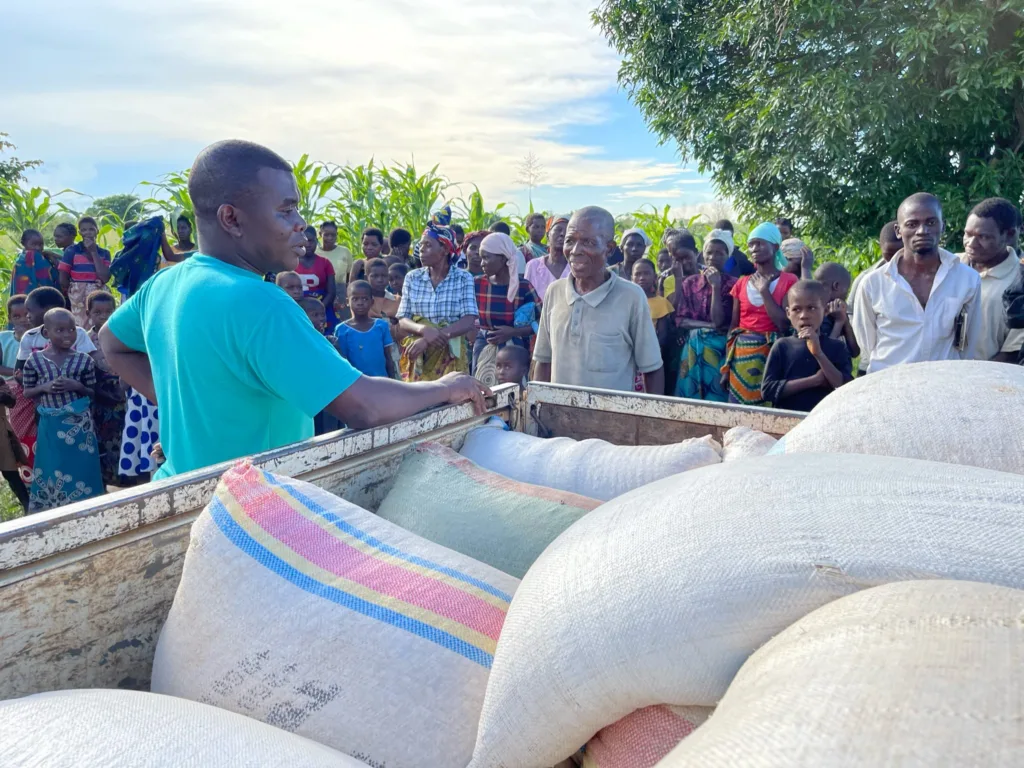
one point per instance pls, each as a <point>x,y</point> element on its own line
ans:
<point>233,362</point>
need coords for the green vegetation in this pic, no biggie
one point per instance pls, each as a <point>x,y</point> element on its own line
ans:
<point>833,111</point>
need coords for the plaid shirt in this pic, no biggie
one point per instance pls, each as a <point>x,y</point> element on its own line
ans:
<point>495,308</point>
<point>41,370</point>
<point>453,299</point>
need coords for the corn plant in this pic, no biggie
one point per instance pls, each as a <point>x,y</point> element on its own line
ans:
<point>316,181</point>
<point>174,200</point>
<point>33,208</point>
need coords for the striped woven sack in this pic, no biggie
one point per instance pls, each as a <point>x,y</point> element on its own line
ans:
<point>311,614</point>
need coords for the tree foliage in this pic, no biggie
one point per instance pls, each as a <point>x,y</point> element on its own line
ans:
<point>12,169</point>
<point>833,111</point>
<point>123,206</point>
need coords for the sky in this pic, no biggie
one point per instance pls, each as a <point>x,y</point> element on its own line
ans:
<point>119,92</point>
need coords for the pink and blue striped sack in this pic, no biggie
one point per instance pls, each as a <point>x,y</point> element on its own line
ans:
<point>311,614</point>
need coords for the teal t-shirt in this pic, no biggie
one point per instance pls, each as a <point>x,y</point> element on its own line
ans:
<point>238,368</point>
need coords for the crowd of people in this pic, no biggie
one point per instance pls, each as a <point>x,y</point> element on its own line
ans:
<point>407,324</point>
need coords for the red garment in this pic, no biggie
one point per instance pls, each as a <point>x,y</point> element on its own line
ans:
<point>314,278</point>
<point>495,308</point>
<point>756,318</point>
<point>23,421</point>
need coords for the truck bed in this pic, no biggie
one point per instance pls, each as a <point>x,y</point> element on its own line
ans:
<point>86,588</point>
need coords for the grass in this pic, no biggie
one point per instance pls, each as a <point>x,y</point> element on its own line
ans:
<point>10,507</point>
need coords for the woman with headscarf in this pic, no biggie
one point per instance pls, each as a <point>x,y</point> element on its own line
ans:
<point>703,313</point>
<point>501,297</point>
<point>758,316</point>
<point>536,227</point>
<point>544,271</point>
<point>469,257</point>
<point>438,308</point>
<point>634,245</point>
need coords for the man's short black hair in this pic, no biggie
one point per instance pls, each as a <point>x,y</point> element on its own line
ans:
<point>30,233</point>
<point>361,285</point>
<point>920,198</point>
<point>811,288</point>
<point>97,296</point>
<point>724,224</point>
<point>501,226</point>
<point>833,272</point>
<point>328,225</point>
<point>888,234</point>
<point>648,262</point>
<point>46,297</point>
<point>311,302</point>
<point>68,227</point>
<point>400,237</point>
<point>1000,210</point>
<point>225,174</point>
<point>373,232</point>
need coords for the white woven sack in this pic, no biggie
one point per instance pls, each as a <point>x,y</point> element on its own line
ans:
<point>959,412</point>
<point>129,729</point>
<point>311,614</point>
<point>927,673</point>
<point>659,596</point>
<point>745,443</point>
<point>592,468</point>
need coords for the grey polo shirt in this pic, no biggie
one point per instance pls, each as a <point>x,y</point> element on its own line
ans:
<point>600,339</point>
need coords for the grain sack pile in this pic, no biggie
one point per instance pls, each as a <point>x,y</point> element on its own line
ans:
<point>926,673</point>
<point>646,602</point>
<point>959,412</point>
<point>746,443</point>
<point>591,468</point>
<point>308,613</point>
<point>127,729</point>
<point>447,499</point>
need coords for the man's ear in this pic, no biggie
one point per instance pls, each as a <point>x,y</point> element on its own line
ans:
<point>227,217</point>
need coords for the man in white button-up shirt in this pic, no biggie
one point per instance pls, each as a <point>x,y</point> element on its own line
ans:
<point>925,303</point>
<point>991,228</point>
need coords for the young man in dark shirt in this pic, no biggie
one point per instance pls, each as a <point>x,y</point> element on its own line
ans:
<point>803,369</point>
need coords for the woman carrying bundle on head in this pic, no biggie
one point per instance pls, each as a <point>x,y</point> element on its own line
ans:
<point>500,295</point>
<point>758,316</point>
<point>438,308</point>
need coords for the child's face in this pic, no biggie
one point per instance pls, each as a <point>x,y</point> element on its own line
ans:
<point>371,247</point>
<point>805,310</point>
<point>292,285</point>
<point>100,313</point>
<point>509,368</point>
<point>20,319</point>
<point>360,301</point>
<point>35,313</point>
<point>378,279</point>
<point>317,316</point>
<point>329,236</point>
<point>311,243</point>
<point>643,275</point>
<point>397,281</point>
<point>63,238</point>
<point>88,232</point>
<point>664,261</point>
<point>33,243</point>
<point>61,332</point>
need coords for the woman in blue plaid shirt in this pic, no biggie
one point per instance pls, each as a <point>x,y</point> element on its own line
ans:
<point>438,308</point>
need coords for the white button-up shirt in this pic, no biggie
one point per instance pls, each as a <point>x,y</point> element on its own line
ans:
<point>996,336</point>
<point>893,328</point>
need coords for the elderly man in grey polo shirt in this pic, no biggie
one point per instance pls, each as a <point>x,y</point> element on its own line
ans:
<point>595,328</point>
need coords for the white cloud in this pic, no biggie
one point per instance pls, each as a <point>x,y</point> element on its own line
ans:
<point>472,85</point>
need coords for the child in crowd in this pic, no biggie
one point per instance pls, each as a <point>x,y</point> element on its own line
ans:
<point>109,404</point>
<point>836,325</point>
<point>84,268</point>
<point>291,283</point>
<point>803,369</point>
<point>396,280</point>
<point>12,455</point>
<point>366,341</point>
<point>662,310</point>
<point>38,303</point>
<point>377,276</point>
<point>64,236</point>
<point>10,341</point>
<point>323,422</point>
<point>62,382</point>
<point>317,275</point>
<point>33,267</point>
<point>512,365</point>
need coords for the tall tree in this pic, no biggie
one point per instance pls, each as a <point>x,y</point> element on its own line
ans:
<point>832,111</point>
<point>12,169</point>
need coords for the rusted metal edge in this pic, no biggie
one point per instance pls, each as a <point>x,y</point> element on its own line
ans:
<point>770,420</point>
<point>43,535</point>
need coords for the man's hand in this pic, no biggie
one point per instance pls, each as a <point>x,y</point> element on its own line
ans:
<point>501,335</point>
<point>463,388</point>
<point>433,336</point>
